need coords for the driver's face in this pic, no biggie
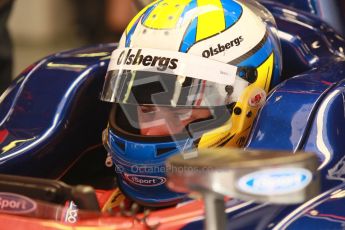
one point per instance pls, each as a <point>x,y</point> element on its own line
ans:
<point>160,121</point>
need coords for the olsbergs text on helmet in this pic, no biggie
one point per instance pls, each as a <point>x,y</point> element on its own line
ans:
<point>162,63</point>
<point>221,48</point>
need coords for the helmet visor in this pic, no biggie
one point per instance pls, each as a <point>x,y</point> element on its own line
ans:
<point>168,78</point>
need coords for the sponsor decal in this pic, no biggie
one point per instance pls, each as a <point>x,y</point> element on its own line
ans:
<point>275,181</point>
<point>71,213</point>
<point>142,180</point>
<point>212,51</point>
<point>258,98</point>
<point>162,63</point>
<point>16,204</point>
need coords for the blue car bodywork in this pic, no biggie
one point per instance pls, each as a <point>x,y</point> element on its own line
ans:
<point>51,116</point>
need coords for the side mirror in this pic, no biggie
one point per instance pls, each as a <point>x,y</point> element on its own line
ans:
<point>263,176</point>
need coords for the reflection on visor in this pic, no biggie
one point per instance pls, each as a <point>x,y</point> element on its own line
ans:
<point>161,121</point>
<point>151,88</point>
<point>177,123</point>
<point>146,76</point>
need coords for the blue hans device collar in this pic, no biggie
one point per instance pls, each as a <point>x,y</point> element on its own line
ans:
<point>141,171</point>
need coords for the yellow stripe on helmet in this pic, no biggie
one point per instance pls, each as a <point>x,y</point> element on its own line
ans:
<point>212,21</point>
<point>130,25</point>
<point>265,71</point>
<point>166,14</point>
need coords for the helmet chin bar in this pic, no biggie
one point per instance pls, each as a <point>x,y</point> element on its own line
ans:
<point>243,114</point>
<point>263,176</point>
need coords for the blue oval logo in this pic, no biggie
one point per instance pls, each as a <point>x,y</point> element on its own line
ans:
<point>275,181</point>
<point>142,180</point>
<point>16,204</point>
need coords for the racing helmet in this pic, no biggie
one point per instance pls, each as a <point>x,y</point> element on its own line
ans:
<point>187,74</point>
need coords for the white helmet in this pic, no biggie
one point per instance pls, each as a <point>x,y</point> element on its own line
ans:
<point>186,74</point>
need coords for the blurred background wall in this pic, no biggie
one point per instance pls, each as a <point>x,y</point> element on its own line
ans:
<point>39,28</point>
<point>42,27</point>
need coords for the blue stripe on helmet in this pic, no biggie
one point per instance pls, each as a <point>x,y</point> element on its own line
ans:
<point>260,56</point>
<point>143,18</point>
<point>190,35</point>
<point>130,33</point>
<point>148,12</point>
<point>192,4</point>
<point>232,12</point>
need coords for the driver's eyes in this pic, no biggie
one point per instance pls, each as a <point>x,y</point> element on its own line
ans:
<point>148,109</point>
